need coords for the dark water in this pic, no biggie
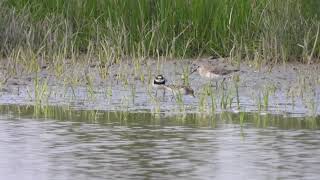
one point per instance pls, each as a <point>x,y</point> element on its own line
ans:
<point>64,144</point>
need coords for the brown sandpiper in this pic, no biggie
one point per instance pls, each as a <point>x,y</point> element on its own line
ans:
<point>212,72</point>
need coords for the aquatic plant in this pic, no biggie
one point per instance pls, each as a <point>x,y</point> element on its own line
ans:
<point>185,75</point>
<point>90,87</point>
<point>241,117</point>
<point>179,100</point>
<point>133,92</point>
<point>237,94</point>
<point>226,99</point>
<point>41,93</point>
<point>202,102</point>
<point>108,93</point>
<point>266,99</point>
<point>154,101</point>
<point>213,102</point>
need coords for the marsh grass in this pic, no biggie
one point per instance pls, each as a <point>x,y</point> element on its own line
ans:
<point>226,99</point>
<point>266,95</point>
<point>178,97</point>
<point>185,75</point>
<point>202,102</point>
<point>90,87</point>
<point>242,118</point>
<point>133,93</point>
<point>41,91</point>
<point>207,99</point>
<point>154,101</point>
<point>213,102</point>
<point>109,30</point>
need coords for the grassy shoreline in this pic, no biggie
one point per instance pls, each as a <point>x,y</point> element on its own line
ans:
<point>266,30</point>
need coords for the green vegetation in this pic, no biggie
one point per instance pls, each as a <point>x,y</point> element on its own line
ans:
<point>148,118</point>
<point>261,30</point>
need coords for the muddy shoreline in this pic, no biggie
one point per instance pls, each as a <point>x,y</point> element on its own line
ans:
<point>290,89</point>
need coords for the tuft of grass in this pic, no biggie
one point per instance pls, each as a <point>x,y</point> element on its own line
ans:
<point>241,117</point>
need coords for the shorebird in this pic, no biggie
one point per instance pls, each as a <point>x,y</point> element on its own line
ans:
<point>160,83</point>
<point>213,72</point>
<point>180,90</point>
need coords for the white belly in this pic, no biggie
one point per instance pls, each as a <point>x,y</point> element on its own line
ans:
<point>209,75</point>
<point>158,86</point>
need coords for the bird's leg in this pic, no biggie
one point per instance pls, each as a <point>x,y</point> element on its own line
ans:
<point>173,97</point>
<point>223,83</point>
<point>216,86</point>
<point>157,92</point>
<point>164,94</point>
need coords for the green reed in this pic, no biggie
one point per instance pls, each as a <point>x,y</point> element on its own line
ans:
<point>41,91</point>
<point>202,102</point>
<point>133,91</point>
<point>241,117</point>
<point>263,30</point>
<point>266,94</point>
<point>179,101</point>
<point>185,75</point>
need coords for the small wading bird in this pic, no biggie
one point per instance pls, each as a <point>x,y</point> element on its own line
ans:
<point>213,72</point>
<point>160,83</point>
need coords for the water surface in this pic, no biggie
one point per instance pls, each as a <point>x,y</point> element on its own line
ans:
<point>68,144</point>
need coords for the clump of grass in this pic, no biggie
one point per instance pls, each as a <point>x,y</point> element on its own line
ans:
<point>133,93</point>
<point>237,94</point>
<point>213,102</point>
<point>202,102</point>
<point>185,75</point>
<point>41,91</point>
<point>179,100</point>
<point>226,100</point>
<point>90,87</point>
<point>266,94</point>
<point>241,117</point>
<point>154,101</point>
<point>108,93</point>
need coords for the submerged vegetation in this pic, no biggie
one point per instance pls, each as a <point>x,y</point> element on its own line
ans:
<point>264,30</point>
<point>147,118</point>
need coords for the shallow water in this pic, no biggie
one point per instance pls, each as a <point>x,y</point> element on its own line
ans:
<point>56,143</point>
<point>292,89</point>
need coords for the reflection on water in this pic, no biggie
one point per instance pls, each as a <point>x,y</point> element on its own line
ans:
<point>66,144</point>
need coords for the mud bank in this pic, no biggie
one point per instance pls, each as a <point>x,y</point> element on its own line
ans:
<point>290,89</point>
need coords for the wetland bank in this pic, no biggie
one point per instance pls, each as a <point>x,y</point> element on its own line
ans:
<point>77,101</point>
<point>290,89</point>
<point>94,57</point>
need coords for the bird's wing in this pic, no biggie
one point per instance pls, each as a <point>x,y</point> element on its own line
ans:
<point>222,70</point>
